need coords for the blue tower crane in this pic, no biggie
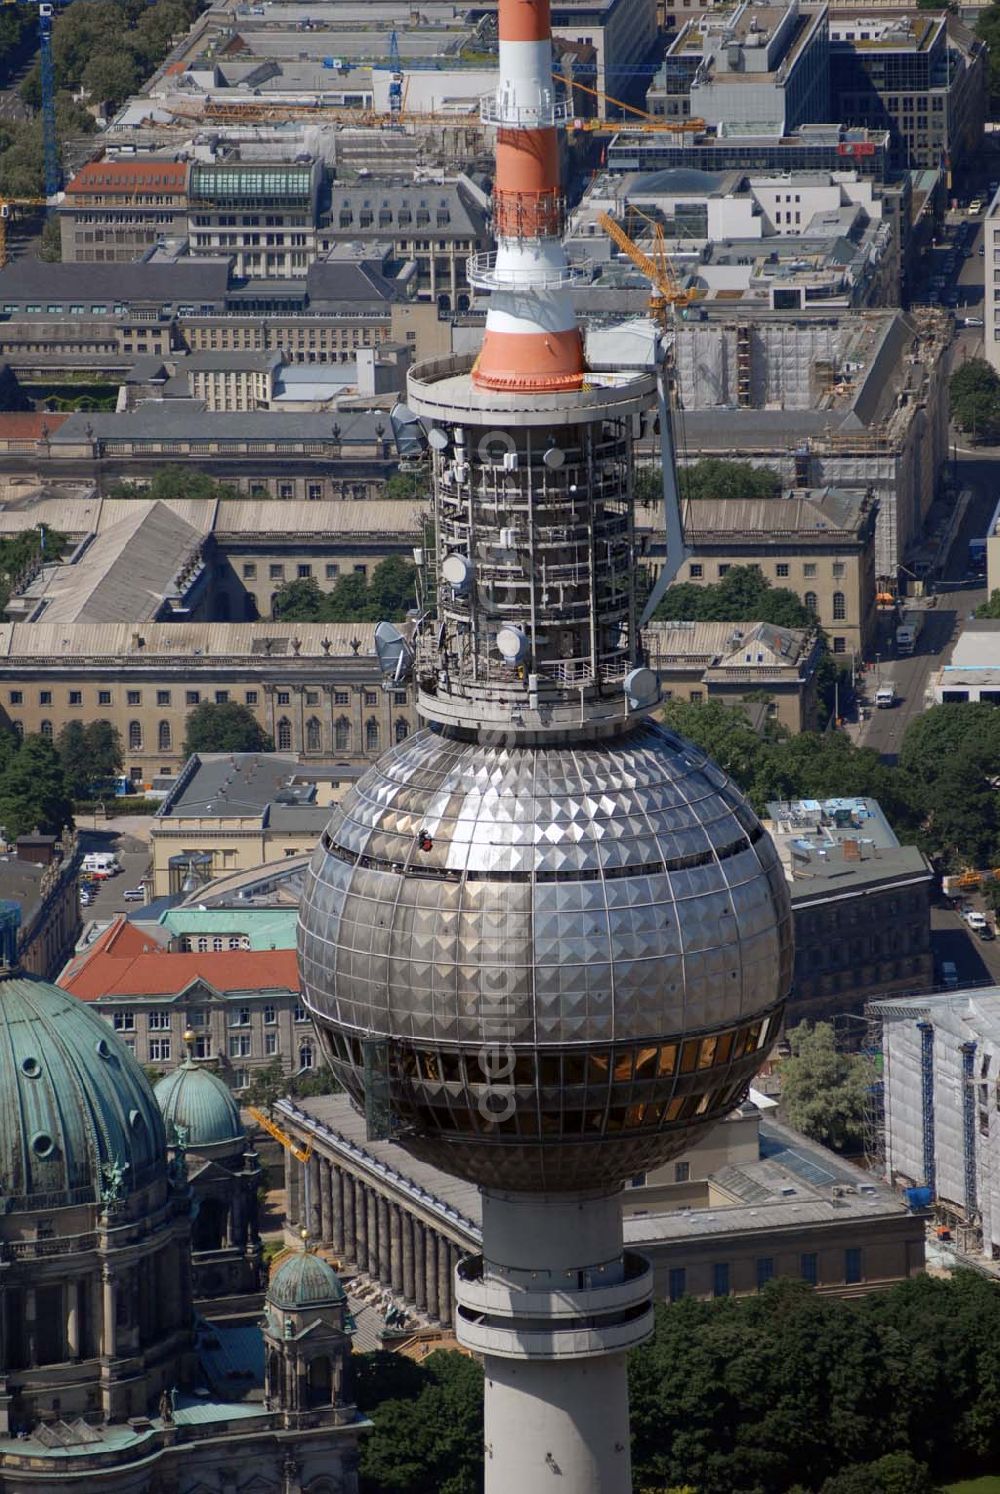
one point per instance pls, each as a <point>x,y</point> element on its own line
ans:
<point>395,78</point>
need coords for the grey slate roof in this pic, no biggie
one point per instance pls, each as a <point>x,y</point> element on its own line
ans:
<point>234,783</point>
<point>153,421</point>
<point>187,281</point>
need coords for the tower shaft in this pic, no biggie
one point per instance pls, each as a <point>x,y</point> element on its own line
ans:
<point>554,1304</point>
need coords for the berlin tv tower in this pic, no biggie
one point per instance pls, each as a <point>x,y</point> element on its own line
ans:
<point>545,941</point>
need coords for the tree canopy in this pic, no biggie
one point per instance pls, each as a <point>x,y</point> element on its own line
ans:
<point>388,593</point>
<point>428,1424</point>
<point>744,594</point>
<point>988,29</point>
<point>33,792</point>
<point>20,551</point>
<point>974,389</point>
<point>711,477</point>
<point>991,607</point>
<point>824,1091</point>
<point>225,726</point>
<point>176,482</point>
<point>89,754</point>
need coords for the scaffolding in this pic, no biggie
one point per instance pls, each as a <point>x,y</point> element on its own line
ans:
<point>926,1030</point>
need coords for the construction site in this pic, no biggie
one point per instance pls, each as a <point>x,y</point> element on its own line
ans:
<point>941,1127</point>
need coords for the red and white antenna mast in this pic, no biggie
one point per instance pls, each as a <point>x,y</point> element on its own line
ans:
<point>532,341</point>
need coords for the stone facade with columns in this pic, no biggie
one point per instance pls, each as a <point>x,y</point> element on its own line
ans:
<point>377,1221</point>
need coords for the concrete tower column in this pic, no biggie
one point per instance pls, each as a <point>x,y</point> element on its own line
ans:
<point>430,1271</point>
<point>554,1304</point>
<point>396,1247</point>
<point>408,1224</point>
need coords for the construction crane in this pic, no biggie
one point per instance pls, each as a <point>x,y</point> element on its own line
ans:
<point>666,288</point>
<point>666,291</point>
<point>395,80</point>
<point>50,144</point>
<point>8,205</point>
<point>301,1154</point>
<point>643,123</point>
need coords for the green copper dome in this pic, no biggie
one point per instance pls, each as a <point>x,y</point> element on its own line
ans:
<point>197,1108</point>
<point>305,1280</point>
<point>77,1116</point>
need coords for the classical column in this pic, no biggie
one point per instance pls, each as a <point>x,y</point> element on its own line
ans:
<point>293,1185</point>
<point>444,1282</point>
<point>325,1202</point>
<point>430,1244</point>
<point>361,1225</point>
<point>73,1318</point>
<point>384,1242</point>
<point>109,1342</point>
<point>396,1247</point>
<point>408,1224</point>
<point>337,1206</point>
<point>350,1238</point>
<point>29,1327</point>
<point>371,1264</point>
<point>314,1222</point>
<point>419,1266</point>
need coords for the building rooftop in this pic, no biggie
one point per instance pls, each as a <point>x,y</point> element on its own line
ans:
<point>718,644</point>
<point>124,575</point>
<point>111,178</point>
<point>262,928</point>
<point>195,643</point>
<point>176,420</point>
<point>836,845</point>
<point>976,648</point>
<point>188,281</point>
<point>820,512</point>
<point>122,963</point>
<point>794,1182</point>
<point>234,783</point>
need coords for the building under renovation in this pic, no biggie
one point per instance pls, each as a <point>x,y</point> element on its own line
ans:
<point>855,401</point>
<point>942,1106</point>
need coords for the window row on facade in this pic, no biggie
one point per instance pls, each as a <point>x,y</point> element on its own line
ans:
<point>764,1270</point>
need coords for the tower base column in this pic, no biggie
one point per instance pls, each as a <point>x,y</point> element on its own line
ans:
<point>553,1304</point>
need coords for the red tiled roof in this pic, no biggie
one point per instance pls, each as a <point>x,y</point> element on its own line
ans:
<point>130,176</point>
<point>26,425</point>
<point>122,962</point>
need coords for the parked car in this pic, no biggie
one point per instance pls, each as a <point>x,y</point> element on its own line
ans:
<point>975,919</point>
<point>987,931</point>
<point>134,895</point>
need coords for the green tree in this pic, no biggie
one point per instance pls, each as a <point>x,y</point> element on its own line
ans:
<point>267,1086</point>
<point>408,485</point>
<point>896,1473</point>
<point>431,1442</point>
<point>299,601</point>
<point>950,759</point>
<point>33,793</point>
<point>104,745</point>
<point>177,482</point>
<point>744,594</point>
<point>50,251</point>
<point>824,1092</point>
<point>991,607</point>
<point>722,731</point>
<point>225,726</point>
<point>109,78</point>
<point>715,477</point>
<point>71,745</point>
<point>974,389</point>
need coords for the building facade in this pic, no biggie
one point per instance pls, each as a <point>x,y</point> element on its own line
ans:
<point>729,661</point>
<point>242,1006</point>
<point>820,545</point>
<point>313,691</point>
<point>114,211</point>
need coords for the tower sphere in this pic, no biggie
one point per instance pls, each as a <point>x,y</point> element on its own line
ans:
<point>560,962</point>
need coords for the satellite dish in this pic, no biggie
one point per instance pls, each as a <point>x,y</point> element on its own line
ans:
<point>642,688</point>
<point>513,644</point>
<point>437,438</point>
<point>554,458</point>
<point>395,656</point>
<point>456,569</point>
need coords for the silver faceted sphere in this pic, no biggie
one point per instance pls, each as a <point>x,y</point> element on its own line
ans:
<point>574,957</point>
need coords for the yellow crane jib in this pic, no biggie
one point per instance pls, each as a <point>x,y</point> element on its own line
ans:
<point>301,1154</point>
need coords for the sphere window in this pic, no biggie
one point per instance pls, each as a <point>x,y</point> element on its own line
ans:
<point>42,1144</point>
<point>103,1048</point>
<point>31,1067</point>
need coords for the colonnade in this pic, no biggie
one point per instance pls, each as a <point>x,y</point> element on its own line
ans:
<point>375,1232</point>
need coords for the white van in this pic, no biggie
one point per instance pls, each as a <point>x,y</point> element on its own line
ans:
<point>100,864</point>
